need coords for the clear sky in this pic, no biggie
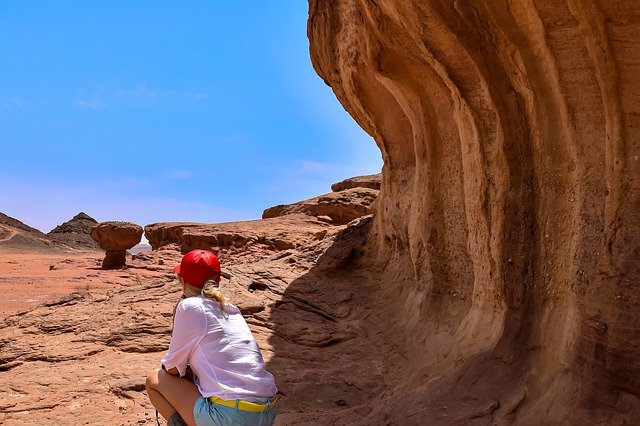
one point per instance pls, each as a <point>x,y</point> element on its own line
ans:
<point>151,111</point>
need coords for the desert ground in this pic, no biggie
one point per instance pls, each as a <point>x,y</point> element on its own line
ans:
<point>31,279</point>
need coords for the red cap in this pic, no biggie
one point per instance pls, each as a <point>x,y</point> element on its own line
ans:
<point>197,267</point>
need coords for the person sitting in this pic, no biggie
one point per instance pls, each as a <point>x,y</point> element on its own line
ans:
<point>213,372</point>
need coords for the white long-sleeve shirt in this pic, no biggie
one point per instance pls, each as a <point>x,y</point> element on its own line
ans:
<point>221,351</point>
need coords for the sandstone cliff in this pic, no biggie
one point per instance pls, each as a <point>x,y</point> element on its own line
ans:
<point>508,228</point>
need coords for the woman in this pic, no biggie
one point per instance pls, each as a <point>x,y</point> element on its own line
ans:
<point>212,340</point>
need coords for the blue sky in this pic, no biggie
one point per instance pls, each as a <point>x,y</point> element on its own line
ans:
<point>151,111</point>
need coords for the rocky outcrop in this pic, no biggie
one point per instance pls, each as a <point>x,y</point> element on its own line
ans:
<point>508,227</point>
<point>368,181</point>
<point>238,238</point>
<point>337,207</point>
<point>282,227</point>
<point>76,232</point>
<point>116,238</point>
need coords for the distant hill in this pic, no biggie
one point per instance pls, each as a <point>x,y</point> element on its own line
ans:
<point>16,236</point>
<point>75,232</point>
<point>139,248</point>
<point>15,223</point>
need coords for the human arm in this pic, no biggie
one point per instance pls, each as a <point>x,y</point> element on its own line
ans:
<point>173,371</point>
<point>189,328</point>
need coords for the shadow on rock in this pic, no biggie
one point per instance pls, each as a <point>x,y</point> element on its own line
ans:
<point>326,362</point>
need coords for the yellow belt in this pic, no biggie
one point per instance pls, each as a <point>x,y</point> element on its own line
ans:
<point>244,405</point>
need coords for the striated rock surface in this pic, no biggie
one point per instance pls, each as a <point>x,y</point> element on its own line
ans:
<point>282,227</point>
<point>76,232</point>
<point>337,207</point>
<point>116,238</point>
<point>508,232</point>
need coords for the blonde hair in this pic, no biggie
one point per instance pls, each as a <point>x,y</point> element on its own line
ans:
<point>210,290</point>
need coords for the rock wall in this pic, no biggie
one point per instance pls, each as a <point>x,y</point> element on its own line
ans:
<point>507,226</point>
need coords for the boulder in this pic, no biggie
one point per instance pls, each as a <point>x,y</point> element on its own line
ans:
<point>116,238</point>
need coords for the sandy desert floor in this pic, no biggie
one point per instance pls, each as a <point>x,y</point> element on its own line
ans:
<point>30,279</point>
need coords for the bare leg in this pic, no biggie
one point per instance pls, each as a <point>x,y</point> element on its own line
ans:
<point>161,404</point>
<point>171,393</point>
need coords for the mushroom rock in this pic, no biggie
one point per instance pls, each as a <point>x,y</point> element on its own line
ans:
<point>116,238</point>
<point>507,223</point>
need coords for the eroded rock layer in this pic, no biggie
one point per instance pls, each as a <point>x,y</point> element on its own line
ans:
<point>239,237</point>
<point>508,223</point>
<point>339,208</point>
<point>368,181</point>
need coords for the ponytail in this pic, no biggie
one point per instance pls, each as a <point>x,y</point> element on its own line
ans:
<point>211,290</point>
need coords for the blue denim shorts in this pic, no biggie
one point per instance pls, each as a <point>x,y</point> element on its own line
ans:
<point>207,413</point>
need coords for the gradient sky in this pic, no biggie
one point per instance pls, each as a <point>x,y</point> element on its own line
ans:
<point>151,111</point>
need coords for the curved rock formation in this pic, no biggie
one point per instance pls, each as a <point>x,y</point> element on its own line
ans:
<point>116,238</point>
<point>508,223</point>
